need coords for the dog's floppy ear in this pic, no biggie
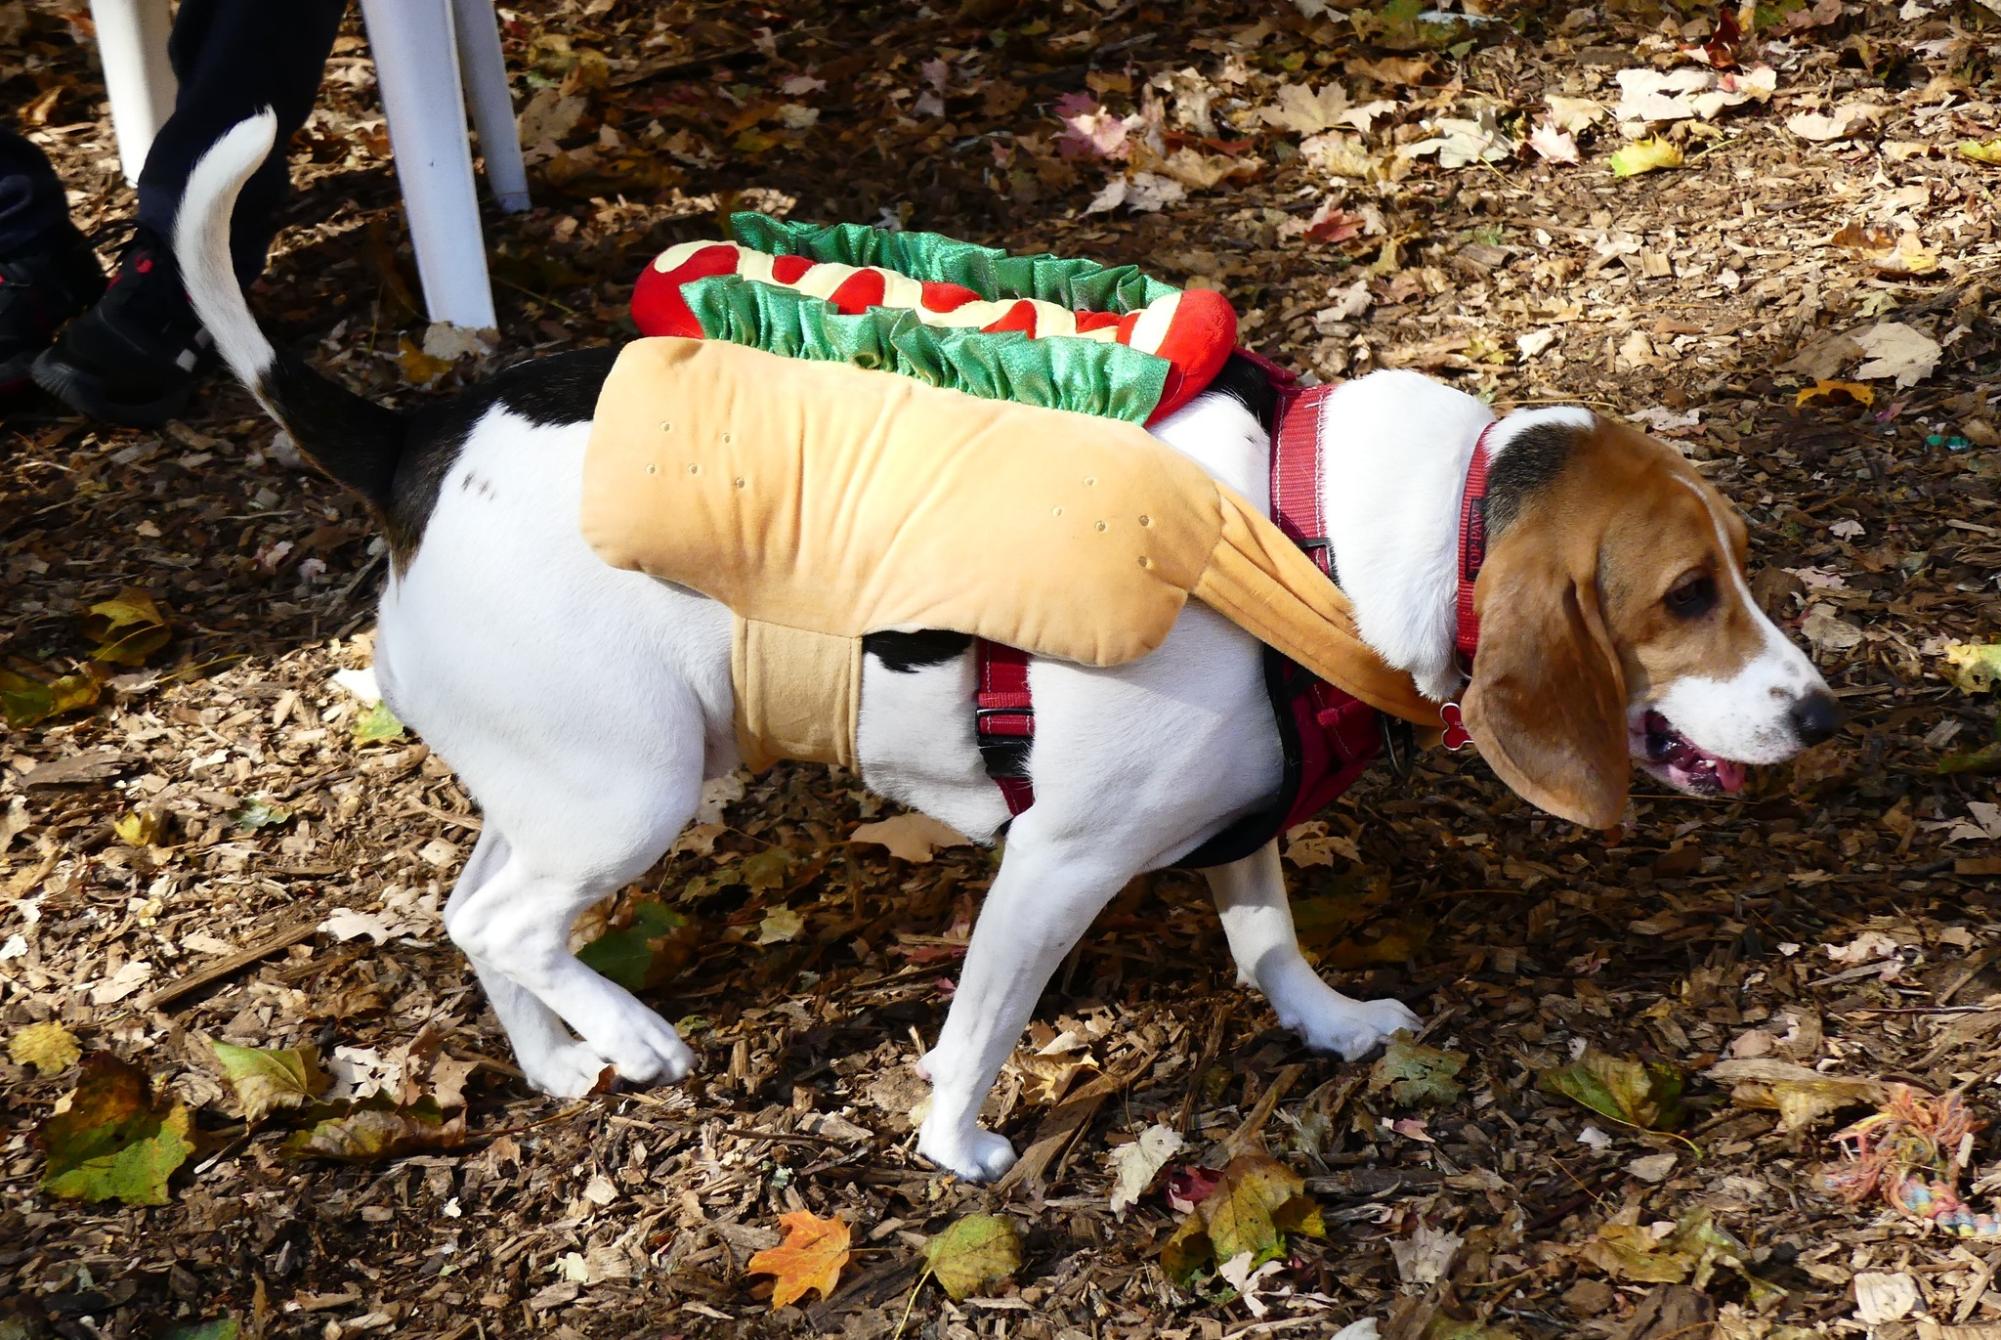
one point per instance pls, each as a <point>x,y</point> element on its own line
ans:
<point>1547,705</point>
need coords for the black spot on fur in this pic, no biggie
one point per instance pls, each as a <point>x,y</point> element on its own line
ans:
<point>548,392</point>
<point>1534,458</point>
<point>907,652</point>
<point>354,440</point>
<point>1245,382</point>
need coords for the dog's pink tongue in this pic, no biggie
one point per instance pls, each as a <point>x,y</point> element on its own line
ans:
<point>1730,776</point>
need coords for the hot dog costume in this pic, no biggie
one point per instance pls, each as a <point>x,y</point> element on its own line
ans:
<point>761,448</point>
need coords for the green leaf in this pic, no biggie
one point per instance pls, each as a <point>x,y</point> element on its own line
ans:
<point>264,1080</point>
<point>259,813</point>
<point>222,1328</point>
<point>116,1141</point>
<point>1414,1073</point>
<point>979,1249</point>
<point>1647,155</point>
<point>644,951</point>
<point>28,702</point>
<point>1255,1203</point>
<point>1645,1095</point>
<point>127,628</point>
<point>374,1131</point>
<point>378,725</point>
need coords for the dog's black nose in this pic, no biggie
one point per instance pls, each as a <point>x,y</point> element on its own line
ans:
<point>1815,717</point>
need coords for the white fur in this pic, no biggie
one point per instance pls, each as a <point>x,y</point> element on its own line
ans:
<point>583,707</point>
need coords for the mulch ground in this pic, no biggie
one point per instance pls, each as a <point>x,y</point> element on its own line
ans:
<point>1407,204</point>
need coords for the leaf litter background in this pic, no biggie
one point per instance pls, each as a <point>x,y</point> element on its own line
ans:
<point>210,835</point>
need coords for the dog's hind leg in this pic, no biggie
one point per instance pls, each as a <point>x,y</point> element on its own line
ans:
<point>513,910</point>
<point>1250,895</point>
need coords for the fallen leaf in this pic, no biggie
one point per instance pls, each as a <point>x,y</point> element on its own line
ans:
<point>976,1250</point>
<point>1308,111</point>
<point>1975,668</point>
<point>1799,1095</point>
<point>418,367</point>
<point>1896,350</point>
<point>1842,123</point>
<point>264,1080</point>
<point>909,837</point>
<point>1569,115</point>
<point>1652,1168</point>
<point>1980,151</point>
<point>28,702</point>
<point>46,1046</point>
<point>116,1140</point>
<point>141,828</point>
<point>378,725</point>
<point>222,1328</point>
<point>651,945</point>
<point>1647,1095</point>
<point>1459,141</point>
<point>766,870</point>
<point>1136,1164</point>
<point>1645,156</point>
<point>1558,146</point>
<point>375,1130</point>
<point>1413,1073</point>
<point>1882,1298</point>
<point>259,813</point>
<point>780,926</point>
<point>1143,192</point>
<point>1256,1201</point>
<point>1426,1255</point>
<point>810,1257</point>
<point>1690,1250</point>
<point>1827,632</point>
<point>127,628</point>
<point>1836,393</point>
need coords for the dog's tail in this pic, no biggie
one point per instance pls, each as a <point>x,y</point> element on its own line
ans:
<point>354,440</point>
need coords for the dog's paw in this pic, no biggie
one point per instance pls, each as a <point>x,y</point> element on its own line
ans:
<point>1353,1028</point>
<point>644,1048</point>
<point>977,1155</point>
<point>569,1071</point>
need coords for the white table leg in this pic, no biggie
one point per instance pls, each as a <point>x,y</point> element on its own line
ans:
<point>485,72</point>
<point>132,40</point>
<point>417,69</point>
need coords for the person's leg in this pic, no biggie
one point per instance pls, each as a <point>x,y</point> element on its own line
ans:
<point>48,272</point>
<point>234,58</point>
<point>135,357</point>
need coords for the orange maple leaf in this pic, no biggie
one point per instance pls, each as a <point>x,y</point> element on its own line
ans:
<point>811,1257</point>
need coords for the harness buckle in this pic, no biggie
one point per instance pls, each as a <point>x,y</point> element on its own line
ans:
<point>1457,737</point>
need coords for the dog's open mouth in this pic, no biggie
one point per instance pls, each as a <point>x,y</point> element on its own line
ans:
<point>1676,760</point>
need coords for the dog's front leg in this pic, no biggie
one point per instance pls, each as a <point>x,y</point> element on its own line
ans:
<point>1250,894</point>
<point>1040,905</point>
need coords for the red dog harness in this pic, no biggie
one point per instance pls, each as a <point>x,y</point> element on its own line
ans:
<point>1329,737</point>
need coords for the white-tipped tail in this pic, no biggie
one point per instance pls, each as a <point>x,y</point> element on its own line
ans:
<point>201,245</point>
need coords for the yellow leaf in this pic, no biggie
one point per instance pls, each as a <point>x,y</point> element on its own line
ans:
<point>140,828</point>
<point>977,1250</point>
<point>115,1140</point>
<point>267,1079</point>
<point>1979,152</point>
<point>1800,1096</point>
<point>48,1047</point>
<point>378,725</point>
<point>810,1257</point>
<point>780,926</point>
<point>127,628</point>
<point>1646,156</point>
<point>1256,1202</point>
<point>1832,392</point>
<point>1973,667</point>
<point>909,837</point>
<point>419,368</point>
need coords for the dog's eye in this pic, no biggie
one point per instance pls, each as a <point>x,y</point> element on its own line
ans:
<point>1692,597</point>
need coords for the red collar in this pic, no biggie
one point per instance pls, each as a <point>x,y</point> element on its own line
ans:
<point>1472,550</point>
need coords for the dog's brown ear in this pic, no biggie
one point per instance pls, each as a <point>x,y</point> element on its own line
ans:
<point>1547,705</point>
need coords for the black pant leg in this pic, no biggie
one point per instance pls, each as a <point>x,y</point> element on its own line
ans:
<point>233,59</point>
<point>33,209</point>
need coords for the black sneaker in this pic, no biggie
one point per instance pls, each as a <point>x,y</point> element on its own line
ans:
<point>38,292</point>
<point>135,357</point>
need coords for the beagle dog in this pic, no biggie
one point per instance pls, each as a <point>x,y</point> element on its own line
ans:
<point>1617,630</point>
